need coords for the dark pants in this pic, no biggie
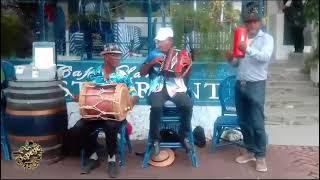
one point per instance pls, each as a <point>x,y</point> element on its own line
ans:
<point>89,141</point>
<point>298,39</point>
<point>181,100</point>
<point>250,99</point>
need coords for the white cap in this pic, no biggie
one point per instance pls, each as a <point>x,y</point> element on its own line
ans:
<point>164,33</point>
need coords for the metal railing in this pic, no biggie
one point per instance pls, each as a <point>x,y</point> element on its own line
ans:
<point>217,40</point>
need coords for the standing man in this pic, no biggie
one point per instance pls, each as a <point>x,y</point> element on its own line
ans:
<point>165,87</point>
<point>250,88</point>
<point>294,14</point>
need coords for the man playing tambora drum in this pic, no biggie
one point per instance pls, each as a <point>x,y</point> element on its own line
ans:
<point>166,86</point>
<point>107,74</point>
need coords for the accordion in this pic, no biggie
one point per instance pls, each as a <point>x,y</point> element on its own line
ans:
<point>177,63</point>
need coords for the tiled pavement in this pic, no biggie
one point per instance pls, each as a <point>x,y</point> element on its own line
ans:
<point>304,157</point>
<point>286,162</point>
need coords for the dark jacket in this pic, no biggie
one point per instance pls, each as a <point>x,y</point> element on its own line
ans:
<point>294,14</point>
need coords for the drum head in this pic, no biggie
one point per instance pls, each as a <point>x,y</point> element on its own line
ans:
<point>123,97</point>
<point>82,98</point>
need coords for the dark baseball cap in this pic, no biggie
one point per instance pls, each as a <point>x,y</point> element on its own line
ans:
<point>251,12</point>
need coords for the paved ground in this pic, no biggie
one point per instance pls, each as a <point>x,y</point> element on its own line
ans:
<point>288,162</point>
<point>300,135</point>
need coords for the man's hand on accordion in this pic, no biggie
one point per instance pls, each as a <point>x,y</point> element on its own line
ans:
<point>157,60</point>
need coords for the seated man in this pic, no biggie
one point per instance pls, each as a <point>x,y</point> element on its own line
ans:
<point>106,75</point>
<point>163,87</point>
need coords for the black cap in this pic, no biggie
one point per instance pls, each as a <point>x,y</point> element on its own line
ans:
<point>251,12</point>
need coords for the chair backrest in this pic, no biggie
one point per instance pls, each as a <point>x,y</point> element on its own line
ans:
<point>9,73</point>
<point>226,94</point>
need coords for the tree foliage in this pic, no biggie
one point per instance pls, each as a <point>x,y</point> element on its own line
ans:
<point>312,15</point>
<point>205,20</point>
<point>312,10</point>
<point>16,39</point>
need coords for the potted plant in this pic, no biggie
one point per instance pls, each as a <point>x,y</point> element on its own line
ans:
<point>312,66</point>
<point>312,62</point>
<point>205,24</point>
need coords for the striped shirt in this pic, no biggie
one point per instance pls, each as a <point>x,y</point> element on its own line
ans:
<point>119,76</point>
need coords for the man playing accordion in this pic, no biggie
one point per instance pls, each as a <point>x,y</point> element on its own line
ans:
<point>167,82</point>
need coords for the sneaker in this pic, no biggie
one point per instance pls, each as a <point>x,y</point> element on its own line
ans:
<point>156,148</point>
<point>261,165</point>
<point>245,158</point>
<point>113,169</point>
<point>91,164</point>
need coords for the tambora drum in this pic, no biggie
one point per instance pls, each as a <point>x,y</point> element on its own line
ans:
<point>104,102</point>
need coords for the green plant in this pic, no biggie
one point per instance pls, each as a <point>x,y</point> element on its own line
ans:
<point>312,16</point>
<point>16,38</point>
<point>312,10</point>
<point>213,36</point>
<point>312,61</point>
<point>180,19</point>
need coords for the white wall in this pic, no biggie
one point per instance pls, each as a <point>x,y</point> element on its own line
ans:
<point>274,7</point>
<point>275,27</point>
<point>204,116</point>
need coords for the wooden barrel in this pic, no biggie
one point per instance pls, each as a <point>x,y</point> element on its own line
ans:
<point>36,111</point>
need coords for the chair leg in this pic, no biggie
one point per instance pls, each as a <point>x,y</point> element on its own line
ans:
<point>213,145</point>
<point>147,154</point>
<point>6,151</point>
<point>220,130</point>
<point>122,146</point>
<point>194,160</point>
<point>82,158</point>
<point>193,153</point>
<point>267,140</point>
<point>215,139</point>
<point>5,145</point>
<point>128,142</point>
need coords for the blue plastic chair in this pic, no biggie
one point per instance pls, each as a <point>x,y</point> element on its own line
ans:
<point>122,142</point>
<point>228,119</point>
<point>9,74</point>
<point>5,146</point>
<point>170,120</point>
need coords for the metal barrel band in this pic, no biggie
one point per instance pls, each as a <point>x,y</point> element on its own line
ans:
<point>35,113</point>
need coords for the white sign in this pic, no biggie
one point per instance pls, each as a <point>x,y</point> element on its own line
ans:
<point>44,57</point>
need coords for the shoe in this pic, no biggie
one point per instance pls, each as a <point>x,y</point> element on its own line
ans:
<point>156,148</point>
<point>261,165</point>
<point>91,164</point>
<point>113,169</point>
<point>186,145</point>
<point>245,158</point>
